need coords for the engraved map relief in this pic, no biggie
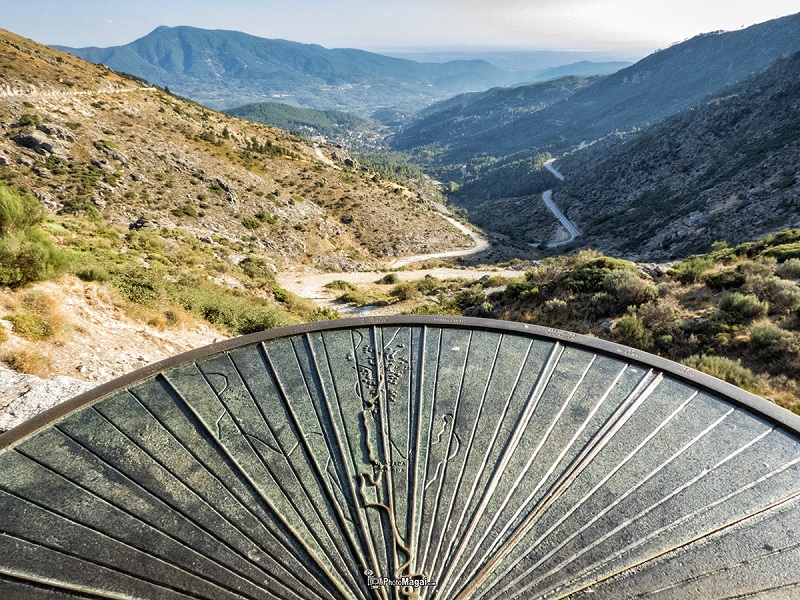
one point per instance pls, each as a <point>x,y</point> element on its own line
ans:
<point>400,461</point>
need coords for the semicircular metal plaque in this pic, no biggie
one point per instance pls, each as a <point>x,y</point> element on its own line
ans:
<point>405,458</point>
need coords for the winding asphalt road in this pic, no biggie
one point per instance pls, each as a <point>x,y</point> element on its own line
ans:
<point>547,197</point>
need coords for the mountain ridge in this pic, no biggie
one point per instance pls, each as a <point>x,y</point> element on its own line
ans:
<point>660,84</point>
<point>212,66</point>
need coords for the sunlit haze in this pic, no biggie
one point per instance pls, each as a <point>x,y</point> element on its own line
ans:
<point>397,24</point>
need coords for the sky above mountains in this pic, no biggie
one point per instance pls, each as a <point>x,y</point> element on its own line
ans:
<point>384,25</point>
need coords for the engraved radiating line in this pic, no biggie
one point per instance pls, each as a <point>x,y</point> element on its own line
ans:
<point>438,496</point>
<point>351,475</point>
<point>278,558</point>
<point>531,404</point>
<point>724,569</point>
<point>454,557</point>
<point>210,474</point>
<point>413,534</point>
<point>674,493</point>
<point>183,484</point>
<point>505,547</point>
<point>66,585</point>
<point>367,537</point>
<point>443,526</point>
<point>613,425</point>
<point>642,513</point>
<point>141,551</point>
<point>354,546</point>
<point>398,542</point>
<point>776,588</point>
<point>723,530</point>
<point>52,586</point>
<point>256,489</point>
<point>626,410</point>
<point>696,512</point>
<point>311,458</point>
<point>358,392</point>
<point>565,479</point>
<point>312,530</point>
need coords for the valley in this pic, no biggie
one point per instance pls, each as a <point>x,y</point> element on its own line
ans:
<point>645,203</point>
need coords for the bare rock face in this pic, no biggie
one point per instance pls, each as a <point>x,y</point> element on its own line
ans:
<point>56,131</point>
<point>25,396</point>
<point>41,143</point>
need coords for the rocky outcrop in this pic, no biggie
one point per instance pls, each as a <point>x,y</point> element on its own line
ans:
<point>25,396</point>
<point>40,143</point>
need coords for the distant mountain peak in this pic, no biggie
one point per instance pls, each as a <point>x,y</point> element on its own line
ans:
<point>209,67</point>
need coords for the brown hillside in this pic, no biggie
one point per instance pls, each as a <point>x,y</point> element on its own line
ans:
<point>85,140</point>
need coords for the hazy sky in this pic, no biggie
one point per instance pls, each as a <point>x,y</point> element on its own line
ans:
<point>395,24</point>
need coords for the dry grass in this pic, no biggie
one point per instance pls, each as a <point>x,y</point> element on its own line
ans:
<point>29,361</point>
<point>38,317</point>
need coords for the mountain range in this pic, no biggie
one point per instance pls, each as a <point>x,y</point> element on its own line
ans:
<point>657,86</point>
<point>224,69</point>
<point>727,170</point>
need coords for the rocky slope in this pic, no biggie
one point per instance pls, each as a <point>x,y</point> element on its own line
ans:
<point>727,169</point>
<point>79,135</point>
<point>486,131</point>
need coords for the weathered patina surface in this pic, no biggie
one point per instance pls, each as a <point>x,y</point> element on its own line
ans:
<point>478,459</point>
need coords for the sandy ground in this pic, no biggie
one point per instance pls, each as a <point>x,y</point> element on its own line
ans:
<point>312,285</point>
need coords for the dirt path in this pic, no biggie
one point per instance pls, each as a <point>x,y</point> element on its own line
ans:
<point>34,92</point>
<point>312,285</point>
<point>481,244</point>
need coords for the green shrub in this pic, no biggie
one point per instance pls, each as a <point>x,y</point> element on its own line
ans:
<point>26,252</point>
<point>355,297</point>
<point>233,314</point>
<point>603,304</point>
<point>388,279</point>
<point>185,210</point>
<point>628,288</point>
<point>494,281</point>
<point>789,269</point>
<point>28,256</point>
<point>93,273</point>
<point>631,331</point>
<point>259,319</point>
<point>692,269</point>
<point>761,266</point>
<point>771,343</point>
<point>660,316</point>
<point>31,327</point>
<point>723,368</point>
<point>251,223</point>
<point>742,308</point>
<point>267,217</point>
<point>555,310</point>
<point>471,296</point>
<point>30,120</point>
<point>140,286</point>
<point>405,291</point>
<point>589,276</point>
<point>725,280</point>
<point>782,295</point>
<point>256,268</point>
<point>784,252</point>
<point>340,284</point>
<point>18,212</point>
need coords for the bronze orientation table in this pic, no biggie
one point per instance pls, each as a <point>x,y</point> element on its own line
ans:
<point>404,457</point>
